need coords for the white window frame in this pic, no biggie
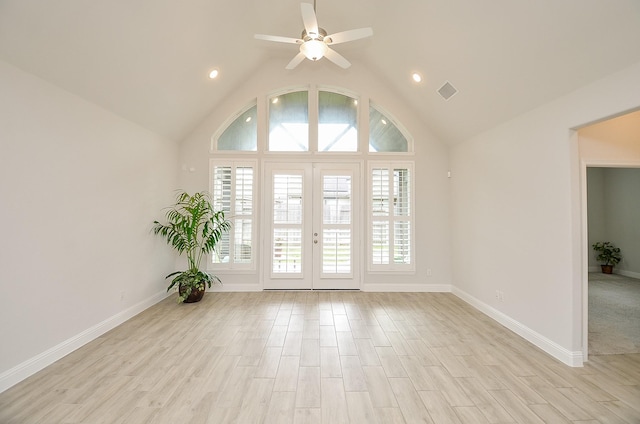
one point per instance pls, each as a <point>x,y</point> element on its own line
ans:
<point>232,216</point>
<point>391,218</point>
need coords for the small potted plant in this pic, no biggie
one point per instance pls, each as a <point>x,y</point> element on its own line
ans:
<point>192,227</point>
<point>608,254</point>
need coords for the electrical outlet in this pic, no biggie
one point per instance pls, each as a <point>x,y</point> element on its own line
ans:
<point>121,295</point>
<point>428,272</point>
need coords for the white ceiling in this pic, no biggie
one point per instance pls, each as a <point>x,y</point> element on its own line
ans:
<point>148,60</point>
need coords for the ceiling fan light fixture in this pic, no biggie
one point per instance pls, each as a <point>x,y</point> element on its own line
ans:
<point>314,49</point>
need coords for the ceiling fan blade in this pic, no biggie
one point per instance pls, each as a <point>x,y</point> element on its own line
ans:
<point>351,35</point>
<point>278,39</point>
<point>309,18</point>
<point>295,61</point>
<point>337,58</point>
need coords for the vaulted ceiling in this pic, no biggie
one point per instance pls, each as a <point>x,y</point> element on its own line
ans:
<point>148,60</point>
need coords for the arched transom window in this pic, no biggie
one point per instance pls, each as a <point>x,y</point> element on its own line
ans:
<point>321,121</point>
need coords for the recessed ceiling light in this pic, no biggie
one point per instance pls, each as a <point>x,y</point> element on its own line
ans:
<point>416,77</point>
<point>383,122</point>
<point>248,119</point>
<point>213,74</point>
<point>275,100</point>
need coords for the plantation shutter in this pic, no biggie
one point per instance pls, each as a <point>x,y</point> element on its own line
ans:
<point>243,215</point>
<point>287,223</point>
<point>402,216</point>
<point>336,224</point>
<point>390,217</point>
<point>233,188</point>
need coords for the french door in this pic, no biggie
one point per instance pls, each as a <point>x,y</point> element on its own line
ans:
<point>312,216</point>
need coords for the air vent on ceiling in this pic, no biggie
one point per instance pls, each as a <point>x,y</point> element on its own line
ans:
<point>447,91</point>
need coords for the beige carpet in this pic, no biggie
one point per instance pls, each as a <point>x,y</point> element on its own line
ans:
<point>614,314</point>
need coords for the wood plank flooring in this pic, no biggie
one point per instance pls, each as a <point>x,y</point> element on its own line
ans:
<point>321,357</point>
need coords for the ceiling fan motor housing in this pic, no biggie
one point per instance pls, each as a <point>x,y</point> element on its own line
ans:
<point>320,36</point>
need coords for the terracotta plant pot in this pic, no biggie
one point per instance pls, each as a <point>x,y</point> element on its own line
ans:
<point>607,269</point>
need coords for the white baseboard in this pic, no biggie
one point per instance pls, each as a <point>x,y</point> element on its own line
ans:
<point>407,288</point>
<point>31,366</point>
<point>571,358</point>
<point>629,274</point>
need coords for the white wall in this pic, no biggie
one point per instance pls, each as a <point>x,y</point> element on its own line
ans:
<point>432,185</point>
<point>516,202</point>
<point>79,189</point>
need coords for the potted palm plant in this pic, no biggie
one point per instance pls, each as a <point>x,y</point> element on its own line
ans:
<point>608,254</point>
<point>194,228</point>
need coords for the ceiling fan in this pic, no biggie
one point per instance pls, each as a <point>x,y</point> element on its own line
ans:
<point>314,41</point>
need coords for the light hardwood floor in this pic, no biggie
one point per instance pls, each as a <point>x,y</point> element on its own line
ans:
<point>321,357</point>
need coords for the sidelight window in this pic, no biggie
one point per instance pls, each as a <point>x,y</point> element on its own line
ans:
<point>233,192</point>
<point>391,220</point>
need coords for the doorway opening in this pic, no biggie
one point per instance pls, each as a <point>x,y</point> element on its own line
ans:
<point>613,205</point>
<point>609,146</point>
